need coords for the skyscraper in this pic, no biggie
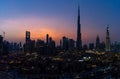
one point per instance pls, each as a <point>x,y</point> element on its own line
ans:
<point>107,39</point>
<point>27,39</point>
<point>97,43</point>
<point>1,45</point>
<point>47,39</point>
<point>78,41</point>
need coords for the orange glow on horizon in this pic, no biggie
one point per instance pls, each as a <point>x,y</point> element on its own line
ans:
<point>41,34</point>
<point>15,30</point>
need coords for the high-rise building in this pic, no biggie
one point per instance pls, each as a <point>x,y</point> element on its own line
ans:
<point>40,46</point>
<point>78,41</point>
<point>1,45</point>
<point>107,39</point>
<point>85,47</point>
<point>51,47</point>
<point>91,46</point>
<point>60,43</point>
<point>97,42</point>
<point>65,43</point>
<point>1,39</point>
<point>47,39</point>
<point>71,44</point>
<point>27,37</point>
<point>27,44</point>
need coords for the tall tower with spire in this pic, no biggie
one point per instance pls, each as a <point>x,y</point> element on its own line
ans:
<point>78,41</point>
<point>107,39</point>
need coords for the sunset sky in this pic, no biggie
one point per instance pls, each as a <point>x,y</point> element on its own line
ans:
<point>58,18</point>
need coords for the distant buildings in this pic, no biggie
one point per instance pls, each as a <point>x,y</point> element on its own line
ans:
<point>65,43</point>
<point>85,47</point>
<point>1,44</point>
<point>3,47</point>
<point>100,46</point>
<point>71,44</point>
<point>116,46</point>
<point>91,46</point>
<point>48,47</point>
<point>68,44</point>
<point>29,45</point>
<point>39,46</point>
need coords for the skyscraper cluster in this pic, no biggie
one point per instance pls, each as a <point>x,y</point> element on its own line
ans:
<point>66,44</point>
<point>39,45</point>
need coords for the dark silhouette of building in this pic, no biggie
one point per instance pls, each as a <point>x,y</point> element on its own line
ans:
<point>20,46</point>
<point>1,45</point>
<point>107,40</point>
<point>97,43</point>
<point>27,42</point>
<point>79,41</point>
<point>16,47</point>
<point>102,46</point>
<point>60,43</point>
<point>116,46</point>
<point>32,46</point>
<point>5,47</point>
<point>40,46</point>
<point>13,47</point>
<point>47,39</point>
<point>47,48</point>
<point>71,44</point>
<point>51,46</point>
<point>85,47</point>
<point>27,37</point>
<point>51,43</point>
<point>65,44</point>
<point>68,44</point>
<point>91,46</point>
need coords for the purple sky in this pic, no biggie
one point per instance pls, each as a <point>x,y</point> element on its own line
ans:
<point>59,18</point>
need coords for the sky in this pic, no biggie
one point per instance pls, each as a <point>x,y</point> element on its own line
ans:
<point>58,18</point>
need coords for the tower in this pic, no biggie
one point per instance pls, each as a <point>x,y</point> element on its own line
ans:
<point>47,39</point>
<point>107,39</point>
<point>27,39</point>
<point>78,41</point>
<point>97,42</point>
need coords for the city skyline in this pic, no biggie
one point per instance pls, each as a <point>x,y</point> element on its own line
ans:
<point>59,39</point>
<point>42,17</point>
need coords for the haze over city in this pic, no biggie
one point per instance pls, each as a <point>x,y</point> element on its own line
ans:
<point>58,18</point>
<point>59,39</point>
